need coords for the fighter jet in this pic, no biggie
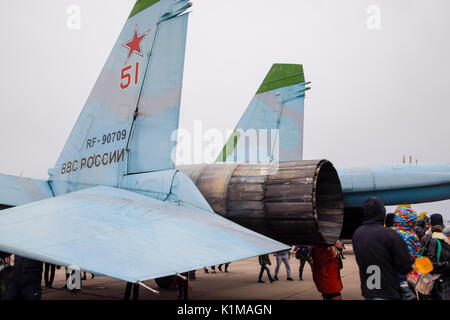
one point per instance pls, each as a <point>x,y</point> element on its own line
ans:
<point>278,106</point>
<point>113,203</point>
<point>260,180</point>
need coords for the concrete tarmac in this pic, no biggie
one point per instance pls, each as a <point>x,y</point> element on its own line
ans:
<point>240,283</point>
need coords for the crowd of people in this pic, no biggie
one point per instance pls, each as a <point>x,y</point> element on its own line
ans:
<point>386,247</point>
<point>325,261</point>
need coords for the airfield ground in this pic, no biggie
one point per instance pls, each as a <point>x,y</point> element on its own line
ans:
<point>239,283</point>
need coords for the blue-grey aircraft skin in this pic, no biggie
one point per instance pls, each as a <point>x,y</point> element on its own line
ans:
<point>396,184</point>
<point>282,108</point>
<point>113,203</point>
<point>273,117</point>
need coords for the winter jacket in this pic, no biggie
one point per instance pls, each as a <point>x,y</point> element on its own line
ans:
<point>420,229</point>
<point>27,272</point>
<point>404,222</point>
<point>380,252</point>
<point>302,252</point>
<point>325,269</point>
<point>264,259</point>
<point>441,290</point>
<point>426,237</point>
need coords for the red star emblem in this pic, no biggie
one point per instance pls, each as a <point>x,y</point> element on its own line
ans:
<point>135,45</point>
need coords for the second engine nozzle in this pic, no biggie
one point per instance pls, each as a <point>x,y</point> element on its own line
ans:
<point>293,202</point>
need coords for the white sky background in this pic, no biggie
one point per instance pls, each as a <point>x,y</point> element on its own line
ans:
<point>376,94</point>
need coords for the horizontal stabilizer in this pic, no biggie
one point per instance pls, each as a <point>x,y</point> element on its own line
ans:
<point>126,235</point>
<point>15,191</point>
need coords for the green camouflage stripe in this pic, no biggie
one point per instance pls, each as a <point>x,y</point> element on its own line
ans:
<point>282,75</point>
<point>229,147</point>
<point>141,5</point>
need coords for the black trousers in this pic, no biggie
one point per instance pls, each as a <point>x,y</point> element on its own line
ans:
<point>135,287</point>
<point>183,287</point>
<point>49,268</point>
<point>303,261</point>
<point>15,292</point>
<point>226,266</point>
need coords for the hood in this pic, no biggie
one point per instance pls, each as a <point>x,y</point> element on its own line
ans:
<point>441,236</point>
<point>404,223</point>
<point>405,219</point>
<point>374,211</point>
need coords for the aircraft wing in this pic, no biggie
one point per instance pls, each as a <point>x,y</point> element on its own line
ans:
<point>15,191</point>
<point>125,235</point>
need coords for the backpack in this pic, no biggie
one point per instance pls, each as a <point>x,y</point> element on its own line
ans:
<point>424,283</point>
<point>303,251</point>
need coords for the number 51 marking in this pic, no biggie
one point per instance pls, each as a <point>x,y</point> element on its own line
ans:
<point>125,75</point>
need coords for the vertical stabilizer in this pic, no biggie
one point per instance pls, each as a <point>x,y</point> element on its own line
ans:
<point>271,129</point>
<point>126,124</point>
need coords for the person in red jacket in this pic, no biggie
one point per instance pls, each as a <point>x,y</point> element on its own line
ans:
<point>326,271</point>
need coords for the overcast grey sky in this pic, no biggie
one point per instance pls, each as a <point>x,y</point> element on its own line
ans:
<point>377,94</point>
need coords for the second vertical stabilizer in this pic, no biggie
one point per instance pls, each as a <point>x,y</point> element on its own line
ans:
<point>271,128</point>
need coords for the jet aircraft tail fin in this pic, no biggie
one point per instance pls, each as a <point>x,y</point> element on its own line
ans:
<point>271,128</point>
<point>127,122</point>
<point>135,209</point>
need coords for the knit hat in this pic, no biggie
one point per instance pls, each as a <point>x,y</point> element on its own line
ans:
<point>436,220</point>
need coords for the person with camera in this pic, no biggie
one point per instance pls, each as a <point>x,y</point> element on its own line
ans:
<point>437,249</point>
<point>326,271</point>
